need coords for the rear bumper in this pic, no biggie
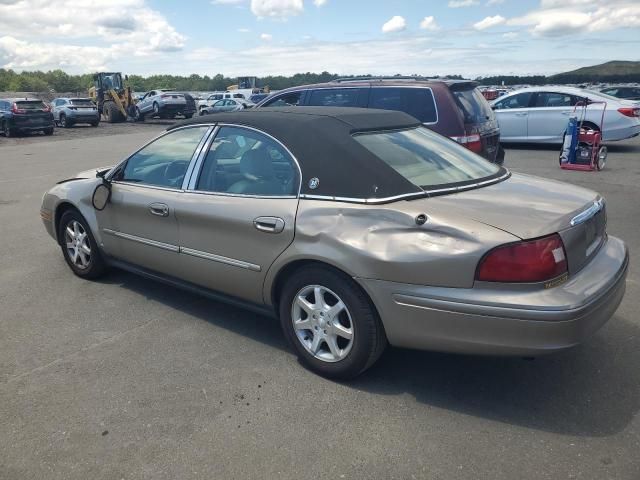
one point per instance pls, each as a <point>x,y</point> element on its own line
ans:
<point>493,321</point>
<point>32,128</point>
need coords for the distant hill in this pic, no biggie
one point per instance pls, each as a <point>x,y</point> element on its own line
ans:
<point>614,71</point>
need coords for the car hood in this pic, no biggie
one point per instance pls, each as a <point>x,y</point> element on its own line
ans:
<point>523,205</point>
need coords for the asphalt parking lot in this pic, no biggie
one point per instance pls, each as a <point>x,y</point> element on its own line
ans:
<point>125,378</point>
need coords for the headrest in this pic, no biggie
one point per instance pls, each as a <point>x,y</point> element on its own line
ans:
<point>257,163</point>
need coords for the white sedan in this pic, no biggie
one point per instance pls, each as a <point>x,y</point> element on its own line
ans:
<point>541,114</point>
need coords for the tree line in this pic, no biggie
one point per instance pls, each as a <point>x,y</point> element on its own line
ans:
<point>58,81</point>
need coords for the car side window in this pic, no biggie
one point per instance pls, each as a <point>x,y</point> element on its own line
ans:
<point>418,102</point>
<point>219,103</point>
<point>245,162</point>
<point>163,162</point>
<point>335,97</point>
<point>554,99</point>
<point>288,100</point>
<point>521,100</point>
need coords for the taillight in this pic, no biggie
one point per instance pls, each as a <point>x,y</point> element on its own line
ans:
<point>472,142</point>
<point>15,109</point>
<point>630,111</point>
<point>527,261</point>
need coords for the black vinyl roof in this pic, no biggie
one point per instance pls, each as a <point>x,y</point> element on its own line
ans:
<point>321,140</point>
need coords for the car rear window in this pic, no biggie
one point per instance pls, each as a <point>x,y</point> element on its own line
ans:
<point>473,105</point>
<point>31,105</point>
<point>335,97</point>
<point>79,102</point>
<point>427,159</point>
<point>417,102</point>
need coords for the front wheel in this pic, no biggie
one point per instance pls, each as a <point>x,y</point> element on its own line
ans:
<point>6,130</point>
<point>79,247</point>
<point>331,323</point>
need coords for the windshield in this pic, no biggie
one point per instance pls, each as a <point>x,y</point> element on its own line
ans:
<point>427,159</point>
<point>473,105</point>
<point>82,102</point>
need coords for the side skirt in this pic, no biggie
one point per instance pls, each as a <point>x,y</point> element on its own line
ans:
<point>190,287</point>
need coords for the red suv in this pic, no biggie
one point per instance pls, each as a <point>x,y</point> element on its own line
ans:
<point>453,108</point>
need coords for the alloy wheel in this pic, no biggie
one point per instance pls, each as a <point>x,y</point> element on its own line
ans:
<point>77,244</point>
<point>322,323</point>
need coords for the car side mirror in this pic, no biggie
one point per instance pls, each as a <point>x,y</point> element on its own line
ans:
<point>101,195</point>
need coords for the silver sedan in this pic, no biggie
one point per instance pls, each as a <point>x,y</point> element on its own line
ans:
<point>357,228</point>
<point>541,114</point>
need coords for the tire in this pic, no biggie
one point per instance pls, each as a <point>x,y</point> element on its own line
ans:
<point>602,158</point>
<point>62,120</point>
<point>112,113</point>
<point>156,109</point>
<point>7,131</point>
<point>188,115</point>
<point>85,265</point>
<point>139,115</point>
<point>95,124</point>
<point>48,131</point>
<point>358,319</point>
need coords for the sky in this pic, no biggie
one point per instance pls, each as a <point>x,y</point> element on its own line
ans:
<point>282,37</point>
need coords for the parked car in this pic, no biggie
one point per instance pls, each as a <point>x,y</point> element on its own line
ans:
<point>70,111</point>
<point>214,97</point>
<point>541,114</point>
<point>357,228</point>
<point>453,108</point>
<point>627,92</point>
<point>22,115</point>
<point>227,105</point>
<point>165,104</point>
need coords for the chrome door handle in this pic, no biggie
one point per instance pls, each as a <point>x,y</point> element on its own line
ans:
<point>522,114</point>
<point>269,224</point>
<point>159,209</point>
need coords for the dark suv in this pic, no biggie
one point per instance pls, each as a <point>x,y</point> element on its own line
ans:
<point>24,115</point>
<point>453,108</point>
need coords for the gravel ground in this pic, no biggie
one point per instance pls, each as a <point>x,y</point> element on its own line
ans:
<point>125,378</point>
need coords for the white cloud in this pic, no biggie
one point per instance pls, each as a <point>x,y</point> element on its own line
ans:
<point>319,3</point>
<point>494,2</point>
<point>267,37</point>
<point>227,2</point>
<point>557,18</point>
<point>277,9</point>
<point>395,24</point>
<point>462,3</point>
<point>429,23</point>
<point>117,25</point>
<point>510,35</point>
<point>489,22</point>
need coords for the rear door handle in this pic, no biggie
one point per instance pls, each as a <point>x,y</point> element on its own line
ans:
<point>159,209</point>
<point>269,224</point>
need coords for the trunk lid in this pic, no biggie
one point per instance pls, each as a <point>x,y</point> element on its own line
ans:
<point>530,207</point>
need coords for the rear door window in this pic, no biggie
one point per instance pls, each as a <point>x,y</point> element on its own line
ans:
<point>335,97</point>
<point>417,102</point>
<point>553,99</point>
<point>473,105</point>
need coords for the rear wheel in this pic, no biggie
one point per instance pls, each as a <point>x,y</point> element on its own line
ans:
<point>156,109</point>
<point>95,124</point>
<point>79,247</point>
<point>330,323</point>
<point>6,130</point>
<point>48,131</point>
<point>64,123</point>
<point>188,115</point>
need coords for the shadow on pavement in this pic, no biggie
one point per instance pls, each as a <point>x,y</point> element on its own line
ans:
<point>591,390</point>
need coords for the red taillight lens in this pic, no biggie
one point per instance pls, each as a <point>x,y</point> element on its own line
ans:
<point>529,261</point>
<point>472,142</point>
<point>15,109</point>
<point>630,111</point>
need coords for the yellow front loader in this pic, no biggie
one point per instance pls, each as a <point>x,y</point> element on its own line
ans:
<point>114,100</point>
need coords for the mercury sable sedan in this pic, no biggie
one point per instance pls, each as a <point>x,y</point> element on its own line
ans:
<point>357,228</point>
